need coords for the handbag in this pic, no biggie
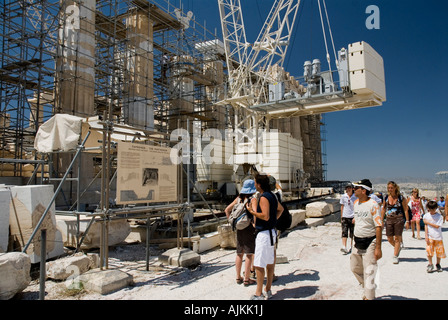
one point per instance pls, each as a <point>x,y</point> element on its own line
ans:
<point>363,243</point>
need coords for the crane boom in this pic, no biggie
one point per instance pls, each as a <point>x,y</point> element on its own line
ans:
<point>234,33</point>
<point>255,62</point>
<point>273,40</point>
<point>36,14</point>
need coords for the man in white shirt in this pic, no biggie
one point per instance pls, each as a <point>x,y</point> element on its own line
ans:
<point>347,201</point>
<point>367,234</point>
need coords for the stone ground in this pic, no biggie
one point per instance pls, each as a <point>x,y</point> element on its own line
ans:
<point>316,270</point>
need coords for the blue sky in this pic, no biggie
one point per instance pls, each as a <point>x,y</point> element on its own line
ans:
<point>407,136</point>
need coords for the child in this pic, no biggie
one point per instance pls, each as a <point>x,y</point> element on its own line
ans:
<point>433,235</point>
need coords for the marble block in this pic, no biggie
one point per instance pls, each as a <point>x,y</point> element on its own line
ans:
<point>28,203</point>
<point>317,209</point>
<point>118,231</point>
<point>15,276</point>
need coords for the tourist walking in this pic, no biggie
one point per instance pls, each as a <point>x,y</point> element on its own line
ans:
<point>445,212</point>
<point>424,204</point>
<point>266,214</point>
<point>442,207</point>
<point>395,209</point>
<point>367,235</point>
<point>415,203</point>
<point>347,201</point>
<point>433,235</point>
<point>245,238</point>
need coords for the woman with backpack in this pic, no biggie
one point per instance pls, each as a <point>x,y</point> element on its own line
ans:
<point>266,212</point>
<point>395,207</point>
<point>245,238</point>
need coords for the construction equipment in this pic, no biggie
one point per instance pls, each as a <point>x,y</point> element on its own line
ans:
<point>254,83</point>
<point>260,90</point>
<point>247,81</point>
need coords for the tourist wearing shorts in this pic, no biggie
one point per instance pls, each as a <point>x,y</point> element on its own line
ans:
<point>395,208</point>
<point>417,210</point>
<point>347,201</point>
<point>433,235</point>
<point>245,238</point>
<point>266,213</point>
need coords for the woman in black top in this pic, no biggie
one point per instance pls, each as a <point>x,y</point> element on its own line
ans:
<point>395,207</point>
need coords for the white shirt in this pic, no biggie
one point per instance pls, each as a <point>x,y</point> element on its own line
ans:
<point>437,219</point>
<point>424,203</point>
<point>367,218</point>
<point>375,197</point>
<point>348,203</point>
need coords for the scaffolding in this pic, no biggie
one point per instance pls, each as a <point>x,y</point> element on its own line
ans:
<point>26,78</point>
<point>89,57</point>
<point>143,64</point>
<point>138,63</point>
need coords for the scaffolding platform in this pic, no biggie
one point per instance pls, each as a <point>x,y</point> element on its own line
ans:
<point>317,105</point>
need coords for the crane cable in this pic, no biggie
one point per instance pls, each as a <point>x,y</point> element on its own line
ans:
<point>325,37</point>
<point>331,35</point>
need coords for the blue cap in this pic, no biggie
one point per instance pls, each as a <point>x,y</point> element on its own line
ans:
<point>248,187</point>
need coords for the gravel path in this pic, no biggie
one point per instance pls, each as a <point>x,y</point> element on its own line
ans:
<point>316,270</point>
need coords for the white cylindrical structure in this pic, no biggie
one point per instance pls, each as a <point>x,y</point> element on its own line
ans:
<point>138,106</point>
<point>75,62</point>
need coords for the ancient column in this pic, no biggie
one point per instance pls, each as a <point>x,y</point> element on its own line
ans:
<point>75,62</point>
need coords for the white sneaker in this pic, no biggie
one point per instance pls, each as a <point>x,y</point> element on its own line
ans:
<point>268,294</point>
<point>395,260</point>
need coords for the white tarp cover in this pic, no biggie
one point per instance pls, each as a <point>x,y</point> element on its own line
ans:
<point>60,133</point>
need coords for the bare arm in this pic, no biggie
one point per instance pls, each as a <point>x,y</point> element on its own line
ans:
<point>254,203</point>
<point>229,208</point>
<point>431,224</point>
<point>405,207</point>
<point>421,207</point>
<point>379,234</point>
<point>264,206</point>
<point>445,211</point>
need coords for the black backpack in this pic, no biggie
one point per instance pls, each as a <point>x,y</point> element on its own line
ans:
<point>285,220</point>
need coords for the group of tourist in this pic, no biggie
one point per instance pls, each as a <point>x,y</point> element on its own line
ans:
<point>364,216</point>
<point>258,240</point>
